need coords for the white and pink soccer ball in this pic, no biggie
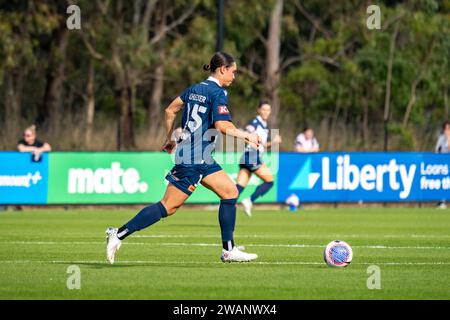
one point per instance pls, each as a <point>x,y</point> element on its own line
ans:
<point>338,254</point>
<point>293,202</point>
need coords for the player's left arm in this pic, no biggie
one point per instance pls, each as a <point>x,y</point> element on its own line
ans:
<point>170,114</point>
<point>270,142</point>
<point>222,121</point>
<point>228,128</point>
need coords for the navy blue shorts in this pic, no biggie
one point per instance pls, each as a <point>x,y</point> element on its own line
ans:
<point>187,177</point>
<point>251,161</point>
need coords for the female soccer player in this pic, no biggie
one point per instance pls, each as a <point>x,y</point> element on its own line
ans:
<point>251,161</point>
<point>205,111</point>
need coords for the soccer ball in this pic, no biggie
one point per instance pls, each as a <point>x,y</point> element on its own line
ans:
<point>293,202</point>
<point>338,254</point>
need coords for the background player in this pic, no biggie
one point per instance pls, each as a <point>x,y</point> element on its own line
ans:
<point>205,107</point>
<point>251,160</point>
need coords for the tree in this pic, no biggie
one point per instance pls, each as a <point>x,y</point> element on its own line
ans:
<point>272,70</point>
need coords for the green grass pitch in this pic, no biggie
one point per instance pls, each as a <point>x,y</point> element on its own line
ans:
<point>179,257</point>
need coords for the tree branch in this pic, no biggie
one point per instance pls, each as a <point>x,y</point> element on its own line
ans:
<point>393,20</point>
<point>291,60</point>
<point>315,22</point>
<point>146,18</point>
<point>420,74</point>
<point>327,60</point>
<point>77,91</point>
<point>249,72</point>
<point>94,53</point>
<point>103,6</point>
<point>345,48</point>
<point>173,25</point>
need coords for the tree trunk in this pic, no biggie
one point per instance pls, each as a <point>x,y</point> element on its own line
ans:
<point>413,97</point>
<point>13,98</point>
<point>51,106</point>
<point>365,122</point>
<point>90,104</point>
<point>343,133</point>
<point>154,112</point>
<point>124,90</point>
<point>272,45</point>
<point>387,98</point>
<point>126,130</point>
<point>334,121</point>
<point>446,110</point>
<point>155,104</point>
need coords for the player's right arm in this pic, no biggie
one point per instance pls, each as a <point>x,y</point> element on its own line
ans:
<point>170,114</point>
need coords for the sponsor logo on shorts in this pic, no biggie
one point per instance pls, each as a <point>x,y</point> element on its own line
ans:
<point>191,188</point>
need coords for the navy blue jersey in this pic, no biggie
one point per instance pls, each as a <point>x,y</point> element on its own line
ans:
<point>204,104</point>
<point>252,158</point>
<point>260,127</point>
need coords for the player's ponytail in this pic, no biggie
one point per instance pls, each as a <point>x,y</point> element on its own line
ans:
<point>219,59</point>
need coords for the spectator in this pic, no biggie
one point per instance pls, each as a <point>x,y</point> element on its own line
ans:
<point>443,142</point>
<point>306,142</point>
<point>443,146</point>
<point>29,143</point>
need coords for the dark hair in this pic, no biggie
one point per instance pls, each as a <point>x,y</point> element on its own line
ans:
<point>446,123</point>
<point>263,102</point>
<point>218,60</point>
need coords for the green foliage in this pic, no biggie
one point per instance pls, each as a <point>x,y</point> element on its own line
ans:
<point>332,66</point>
<point>403,138</point>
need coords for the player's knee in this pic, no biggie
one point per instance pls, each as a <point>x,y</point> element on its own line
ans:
<point>170,209</point>
<point>268,178</point>
<point>269,184</point>
<point>231,193</point>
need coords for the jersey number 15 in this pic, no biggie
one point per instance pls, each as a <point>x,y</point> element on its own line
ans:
<point>196,121</point>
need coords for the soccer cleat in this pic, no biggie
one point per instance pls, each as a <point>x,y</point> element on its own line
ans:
<point>236,255</point>
<point>113,244</point>
<point>247,203</point>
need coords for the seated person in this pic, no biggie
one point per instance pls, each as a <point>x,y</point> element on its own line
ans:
<point>306,142</point>
<point>29,143</point>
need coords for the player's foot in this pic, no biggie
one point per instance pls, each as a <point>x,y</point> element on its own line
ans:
<point>236,255</point>
<point>113,244</point>
<point>247,203</point>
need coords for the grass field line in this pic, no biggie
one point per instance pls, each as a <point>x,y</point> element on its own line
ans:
<point>216,245</point>
<point>214,263</point>
<point>337,236</point>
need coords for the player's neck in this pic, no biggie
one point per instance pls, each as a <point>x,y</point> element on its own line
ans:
<point>214,79</point>
<point>260,119</point>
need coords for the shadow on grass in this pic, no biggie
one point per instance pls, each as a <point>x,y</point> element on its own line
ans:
<point>106,265</point>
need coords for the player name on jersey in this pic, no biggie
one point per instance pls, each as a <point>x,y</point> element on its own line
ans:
<point>197,97</point>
